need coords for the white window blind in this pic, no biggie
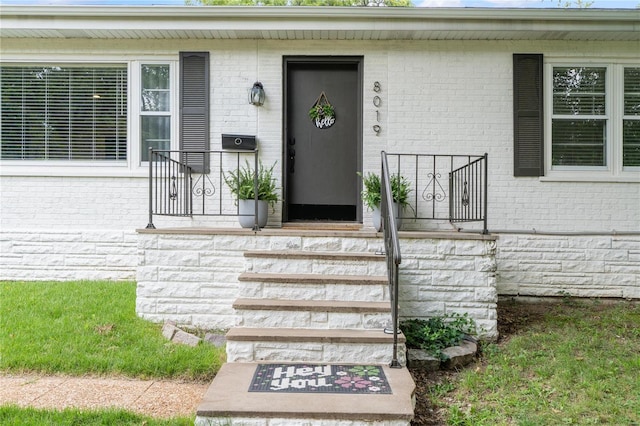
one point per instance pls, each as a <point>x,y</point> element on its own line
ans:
<point>64,112</point>
<point>631,119</point>
<point>579,121</point>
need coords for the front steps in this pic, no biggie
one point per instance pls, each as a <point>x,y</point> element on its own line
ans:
<point>314,307</point>
<point>298,292</point>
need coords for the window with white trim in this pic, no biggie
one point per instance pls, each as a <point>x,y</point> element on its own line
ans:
<point>594,118</point>
<point>65,112</point>
<point>631,118</point>
<point>579,121</point>
<point>155,108</point>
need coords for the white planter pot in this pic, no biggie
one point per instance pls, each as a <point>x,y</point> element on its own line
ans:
<point>376,217</point>
<point>246,210</point>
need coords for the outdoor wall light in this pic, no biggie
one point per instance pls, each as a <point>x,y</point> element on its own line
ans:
<point>256,94</point>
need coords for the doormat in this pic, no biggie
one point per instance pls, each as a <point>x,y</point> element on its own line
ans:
<point>320,378</point>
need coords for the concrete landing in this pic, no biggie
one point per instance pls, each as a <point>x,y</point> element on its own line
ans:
<point>228,398</point>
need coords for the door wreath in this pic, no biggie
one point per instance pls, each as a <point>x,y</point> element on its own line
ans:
<point>322,113</point>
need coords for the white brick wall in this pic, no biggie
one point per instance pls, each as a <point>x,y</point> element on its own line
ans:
<point>78,203</point>
<point>582,266</point>
<point>447,97</point>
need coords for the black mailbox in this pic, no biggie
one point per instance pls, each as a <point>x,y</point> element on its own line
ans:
<point>242,142</point>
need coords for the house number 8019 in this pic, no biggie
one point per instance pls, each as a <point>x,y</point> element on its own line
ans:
<point>377,101</point>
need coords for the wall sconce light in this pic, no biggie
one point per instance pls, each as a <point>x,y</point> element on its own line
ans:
<point>256,94</point>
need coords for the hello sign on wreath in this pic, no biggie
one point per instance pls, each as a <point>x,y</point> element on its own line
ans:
<point>322,113</point>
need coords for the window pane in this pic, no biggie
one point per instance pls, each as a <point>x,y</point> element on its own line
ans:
<point>632,91</point>
<point>631,143</point>
<point>156,134</point>
<point>579,91</point>
<point>64,112</point>
<point>578,142</point>
<point>155,88</point>
<point>58,105</point>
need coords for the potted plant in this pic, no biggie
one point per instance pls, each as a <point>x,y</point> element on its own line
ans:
<point>241,184</point>
<point>371,196</point>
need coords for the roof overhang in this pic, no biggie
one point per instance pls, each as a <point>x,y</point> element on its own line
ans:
<point>318,23</point>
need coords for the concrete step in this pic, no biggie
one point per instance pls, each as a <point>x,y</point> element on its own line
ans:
<point>312,314</point>
<point>315,262</point>
<point>313,287</point>
<point>310,335</point>
<point>312,305</point>
<point>246,344</point>
<point>321,255</point>
<point>312,278</point>
<point>227,401</point>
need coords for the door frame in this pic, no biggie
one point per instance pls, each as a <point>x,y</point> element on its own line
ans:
<point>324,60</point>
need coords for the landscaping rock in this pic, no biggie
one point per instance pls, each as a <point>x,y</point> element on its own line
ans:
<point>173,333</point>
<point>185,338</point>
<point>217,340</point>
<point>458,356</point>
<point>169,329</point>
<point>454,357</point>
<point>417,358</point>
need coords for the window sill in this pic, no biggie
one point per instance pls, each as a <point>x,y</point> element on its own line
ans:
<point>583,176</point>
<point>72,170</point>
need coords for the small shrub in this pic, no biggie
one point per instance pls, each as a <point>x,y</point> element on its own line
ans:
<point>437,333</point>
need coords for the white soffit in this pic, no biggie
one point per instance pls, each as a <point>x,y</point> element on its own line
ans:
<point>317,23</point>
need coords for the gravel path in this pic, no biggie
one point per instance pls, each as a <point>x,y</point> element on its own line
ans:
<point>161,399</point>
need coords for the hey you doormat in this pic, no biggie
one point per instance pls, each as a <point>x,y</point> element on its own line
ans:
<point>320,378</point>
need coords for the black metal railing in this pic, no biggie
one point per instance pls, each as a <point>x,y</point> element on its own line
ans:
<point>444,187</point>
<point>468,192</point>
<point>392,251</point>
<point>180,189</point>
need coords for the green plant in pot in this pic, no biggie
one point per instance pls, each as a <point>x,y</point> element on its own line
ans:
<point>371,196</point>
<point>371,192</point>
<point>241,184</point>
<point>400,189</point>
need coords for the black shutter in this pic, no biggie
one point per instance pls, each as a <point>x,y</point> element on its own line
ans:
<point>194,109</point>
<point>528,117</point>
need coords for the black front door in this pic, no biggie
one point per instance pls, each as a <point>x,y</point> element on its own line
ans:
<point>321,163</point>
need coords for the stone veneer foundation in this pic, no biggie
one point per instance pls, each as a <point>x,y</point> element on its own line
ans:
<point>190,276</point>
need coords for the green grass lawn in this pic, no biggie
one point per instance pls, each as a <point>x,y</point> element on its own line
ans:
<point>15,416</point>
<point>578,365</point>
<point>90,327</point>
